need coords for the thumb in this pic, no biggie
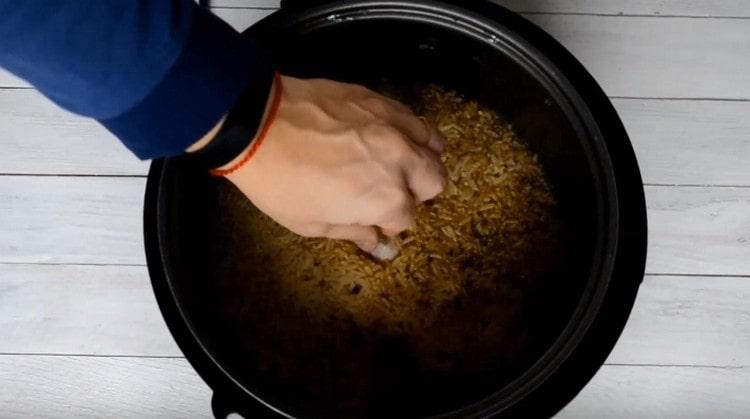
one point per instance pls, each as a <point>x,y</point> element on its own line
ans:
<point>365,237</point>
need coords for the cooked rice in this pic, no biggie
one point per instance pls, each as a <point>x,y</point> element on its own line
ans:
<point>455,294</point>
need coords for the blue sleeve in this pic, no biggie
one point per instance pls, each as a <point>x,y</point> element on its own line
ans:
<point>156,73</point>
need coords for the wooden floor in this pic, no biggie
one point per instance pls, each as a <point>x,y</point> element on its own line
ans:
<point>81,336</point>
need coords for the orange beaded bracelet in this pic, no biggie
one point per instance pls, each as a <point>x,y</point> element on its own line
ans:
<point>278,90</point>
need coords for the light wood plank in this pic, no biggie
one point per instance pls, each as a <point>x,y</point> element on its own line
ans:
<point>39,137</point>
<point>92,387</point>
<point>699,230</point>
<point>640,56</point>
<point>127,387</point>
<point>98,220</point>
<point>706,8</point>
<point>110,310</point>
<point>265,4</point>
<point>93,310</point>
<point>663,392</point>
<point>689,142</point>
<point>71,220</point>
<point>688,321</point>
<point>675,320</point>
<point>9,80</point>
<point>242,19</point>
<point>677,142</point>
<point>664,57</point>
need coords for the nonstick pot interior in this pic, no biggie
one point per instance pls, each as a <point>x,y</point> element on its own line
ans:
<point>402,45</point>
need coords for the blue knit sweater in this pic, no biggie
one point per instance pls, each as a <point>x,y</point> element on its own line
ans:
<point>157,73</point>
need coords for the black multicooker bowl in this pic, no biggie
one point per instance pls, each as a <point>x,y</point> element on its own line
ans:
<point>500,59</point>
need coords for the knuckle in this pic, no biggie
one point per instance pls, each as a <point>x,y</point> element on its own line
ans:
<point>402,202</point>
<point>363,110</point>
<point>356,90</point>
<point>394,200</point>
<point>398,106</point>
<point>375,105</point>
<point>437,186</point>
<point>379,130</point>
<point>437,182</point>
<point>424,164</point>
<point>442,182</point>
<point>438,178</point>
<point>421,127</point>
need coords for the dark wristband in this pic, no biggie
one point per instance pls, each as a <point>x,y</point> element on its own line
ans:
<point>242,121</point>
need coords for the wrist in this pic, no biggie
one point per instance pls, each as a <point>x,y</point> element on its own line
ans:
<point>252,141</point>
<point>269,115</point>
<point>231,135</point>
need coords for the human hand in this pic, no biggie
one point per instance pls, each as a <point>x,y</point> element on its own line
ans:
<point>343,162</point>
